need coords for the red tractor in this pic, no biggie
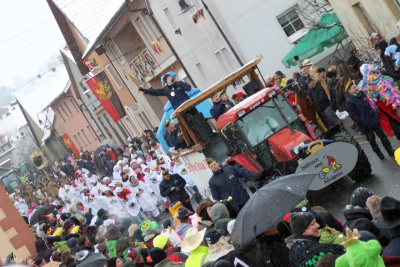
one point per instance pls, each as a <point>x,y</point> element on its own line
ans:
<point>264,134</point>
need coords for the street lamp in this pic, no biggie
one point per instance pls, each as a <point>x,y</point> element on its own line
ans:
<point>49,127</point>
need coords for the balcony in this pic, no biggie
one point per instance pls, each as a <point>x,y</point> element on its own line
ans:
<point>143,66</point>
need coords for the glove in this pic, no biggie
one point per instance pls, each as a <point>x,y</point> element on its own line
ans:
<point>173,188</point>
<point>132,204</point>
<point>141,89</point>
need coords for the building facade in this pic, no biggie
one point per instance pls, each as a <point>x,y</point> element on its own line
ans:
<point>361,18</point>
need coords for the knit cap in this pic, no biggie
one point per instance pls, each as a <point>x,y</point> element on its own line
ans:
<point>299,222</point>
<point>360,196</point>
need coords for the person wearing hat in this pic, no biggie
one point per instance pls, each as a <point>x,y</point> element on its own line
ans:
<point>162,242</point>
<point>153,179</point>
<point>358,207</point>
<point>203,210</point>
<point>306,249</point>
<point>219,250</point>
<point>185,221</point>
<point>219,106</point>
<point>191,187</point>
<point>195,244</point>
<point>225,183</point>
<point>175,141</point>
<point>388,67</point>
<point>390,220</point>
<point>173,187</point>
<point>160,258</point>
<point>102,215</point>
<point>175,91</point>
<point>145,197</point>
<point>313,71</point>
<point>112,235</point>
<point>361,112</point>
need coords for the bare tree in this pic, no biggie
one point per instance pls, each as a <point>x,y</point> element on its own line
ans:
<point>312,10</point>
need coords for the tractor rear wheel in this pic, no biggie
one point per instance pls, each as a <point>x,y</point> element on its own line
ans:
<point>362,170</point>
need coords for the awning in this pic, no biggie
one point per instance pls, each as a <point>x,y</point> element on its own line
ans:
<point>326,33</point>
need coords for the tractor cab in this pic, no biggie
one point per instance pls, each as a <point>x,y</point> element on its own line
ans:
<point>264,129</point>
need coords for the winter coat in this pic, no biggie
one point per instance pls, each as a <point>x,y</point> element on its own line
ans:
<point>351,214</point>
<point>217,109</point>
<point>393,249</point>
<point>332,90</point>
<point>174,140</point>
<point>180,169</point>
<point>153,179</point>
<point>175,181</point>
<point>319,97</point>
<point>225,182</point>
<point>145,196</point>
<point>392,261</point>
<point>306,251</point>
<point>272,251</point>
<point>132,210</point>
<point>178,88</point>
<point>197,257</point>
<point>361,112</point>
<point>169,263</point>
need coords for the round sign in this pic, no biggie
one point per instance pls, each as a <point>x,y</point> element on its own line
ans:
<point>135,107</point>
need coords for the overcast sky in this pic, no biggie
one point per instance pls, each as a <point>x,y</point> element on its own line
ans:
<point>29,37</point>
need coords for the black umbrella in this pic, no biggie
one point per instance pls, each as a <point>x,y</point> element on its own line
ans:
<point>93,260</point>
<point>269,204</point>
<point>43,210</point>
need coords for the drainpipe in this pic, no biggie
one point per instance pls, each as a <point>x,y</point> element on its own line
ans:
<point>223,35</point>
<point>150,12</point>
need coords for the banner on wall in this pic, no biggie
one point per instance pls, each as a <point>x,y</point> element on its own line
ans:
<point>105,93</point>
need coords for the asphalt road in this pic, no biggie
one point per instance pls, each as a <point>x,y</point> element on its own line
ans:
<point>384,181</point>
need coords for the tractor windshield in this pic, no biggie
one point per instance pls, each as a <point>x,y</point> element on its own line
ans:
<point>266,120</point>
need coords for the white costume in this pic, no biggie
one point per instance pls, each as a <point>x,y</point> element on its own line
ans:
<point>145,197</point>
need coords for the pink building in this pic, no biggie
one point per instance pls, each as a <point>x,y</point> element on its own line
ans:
<point>78,133</point>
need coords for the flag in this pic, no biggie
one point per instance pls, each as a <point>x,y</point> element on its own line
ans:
<point>105,93</point>
<point>69,144</point>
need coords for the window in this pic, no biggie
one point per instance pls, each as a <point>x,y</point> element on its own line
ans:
<point>290,22</point>
<point>95,105</point>
<point>144,30</point>
<point>225,60</point>
<point>67,107</point>
<point>394,7</point>
<point>65,113</point>
<point>59,112</point>
<point>202,73</point>
<point>229,59</point>
<point>116,132</point>
<point>85,136</point>
<point>117,54</point>
<point>80,137</point>
<point>77,140</point>
<point>114,76</point>
<point>153,25</point>
<point>364,18</point>
<point>83,85</point>
<point>170,18</point>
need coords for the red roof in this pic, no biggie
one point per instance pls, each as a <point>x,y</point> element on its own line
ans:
<point>232,115</point>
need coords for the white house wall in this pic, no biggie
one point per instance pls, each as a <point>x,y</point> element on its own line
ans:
<point>251,27</point>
